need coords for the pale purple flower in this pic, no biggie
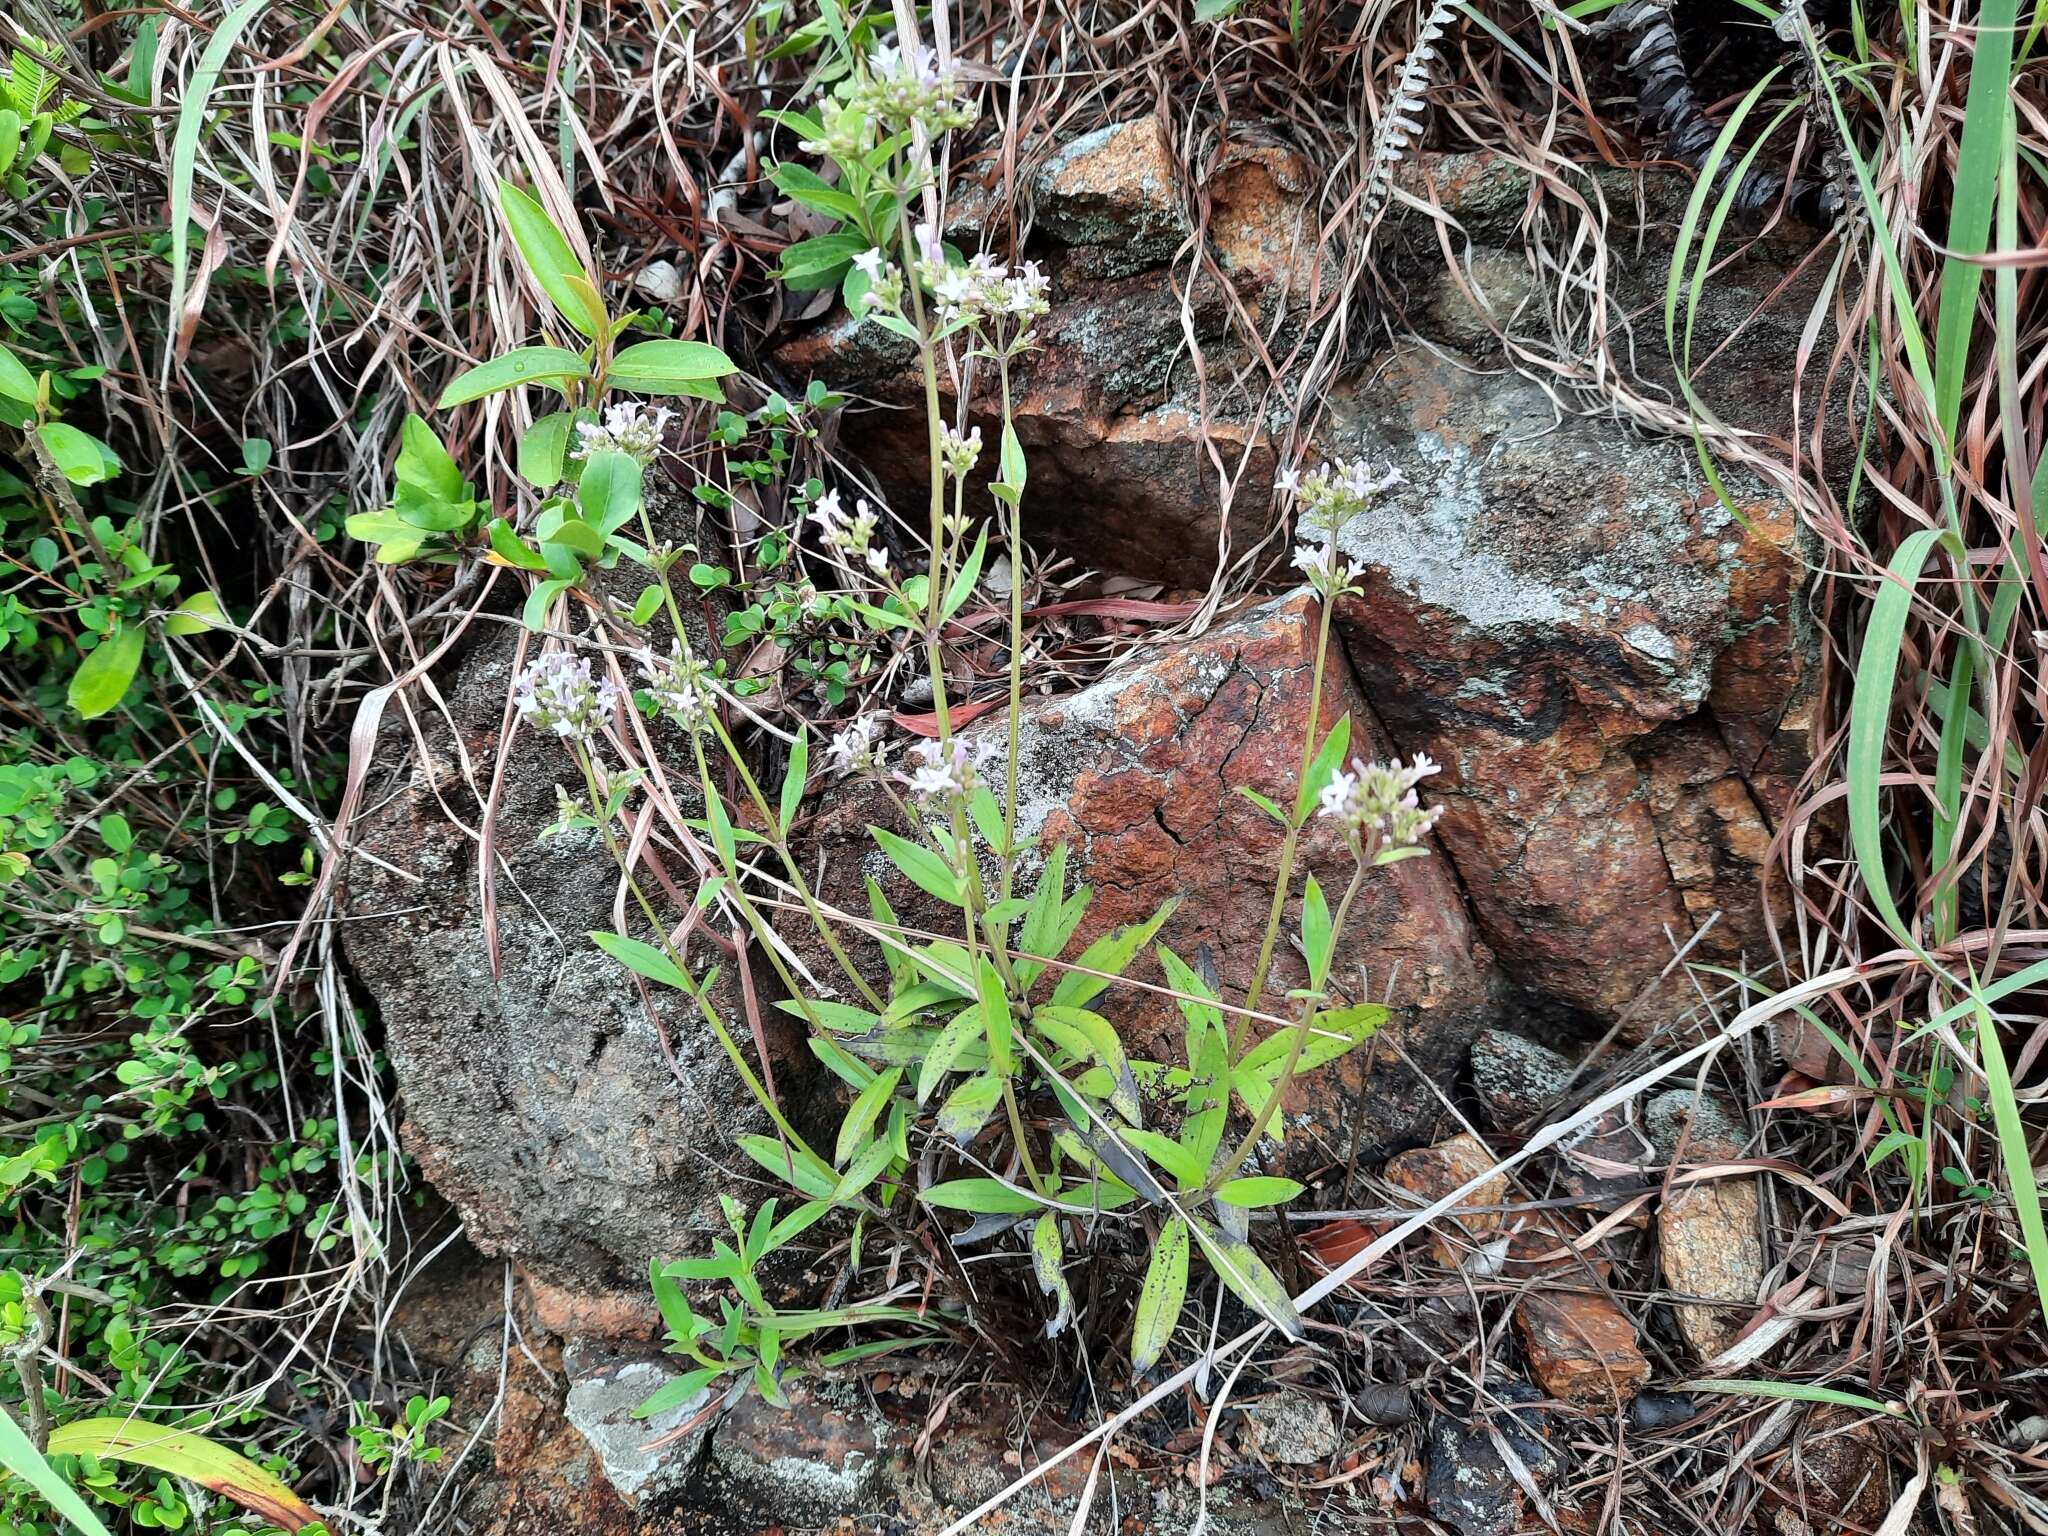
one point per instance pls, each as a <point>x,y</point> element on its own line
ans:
<point>679,684</point>
<point>1377,804</point>
<point>943,770</point>
<point>557,693</point>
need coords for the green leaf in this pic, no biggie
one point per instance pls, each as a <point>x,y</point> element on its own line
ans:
<point>103,677</point>
<point>677,1393</point>
<point>1090,1036</point>
<point>821,261</point>
<point>184,1454</point>
<point>671,368</point>
<point>16,382</point>
<point>544,451</point>
<point>522,365</point>
<point>425,466</point>
<point>804,1173</point>
<point>1159,1298</point>
<point>962,1029</point>
<point>1013,463</point>
<point>80,458</point>
<point>968,1107</point>
<point>996,1018</point>
<point>1248,1277</point>
<point>641,959</point>
<point>981,1197</point>
<point>1332,1034</point>
<point>1188,1168</point>
<point>806,186</point>
<point>861,1115</point>
<point>962,586</point>
<point>1257,1193</point>
<point>794,780</point>
<point>1328,759</point>
<point>919,864</point>
<point>550,259</point>
<point>19,1456</point>
<point>610,491</point>
<point>867,1166</point>
<point>535,614</point>
<point>199,612</point>
<point>1109,954</point>
<point>1318,937</point>
<point>513,550</point>
<point>1794,1391</point>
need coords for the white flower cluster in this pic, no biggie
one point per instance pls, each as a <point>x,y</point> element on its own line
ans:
<point>854,536</point>
<point>1325,500</point>
<point>557,693</point>
<point>853,749</point>
<point>944,770</point>
<point>628,427</point>
<point>1376,802</point>
<point>907,88</point>
<point>984,291</point>
<point>885,282</point>
<point>892,92</point>
<point>679,684</point>
<point>959,452</point>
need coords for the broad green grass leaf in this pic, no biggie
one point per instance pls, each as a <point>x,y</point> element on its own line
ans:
<point>1248,1277</point>
<point>794,780</point>
<point>185,154</point>
<point>1259,1192</point>
<point>184,1454</point>
<point>19,1457</point>
<point>549,258</point>
<point>968,1107</point>
<point>861,1115</point>
<point>2015,1149</point>
<point>642,959</point>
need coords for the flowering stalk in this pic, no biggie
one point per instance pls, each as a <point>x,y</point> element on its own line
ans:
<point>1326,500</point>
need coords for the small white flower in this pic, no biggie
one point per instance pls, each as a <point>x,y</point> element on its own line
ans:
<point>557,693</point>
<point>853,749</point>
<point>627,427</point>
<point>943,771</point>
<point>679,684</point>
<point>871,262</point>
<point>1378,806</point>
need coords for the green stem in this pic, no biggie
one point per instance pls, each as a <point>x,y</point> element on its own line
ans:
<point>1291,844</point>
<point>1309,1008</point>
<point>675,958</point>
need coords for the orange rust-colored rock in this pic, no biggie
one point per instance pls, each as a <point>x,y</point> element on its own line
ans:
<point>1139,777</point>
<point>1600,656</point>
<point>1579,1345</point>
<point>1430,1173</point>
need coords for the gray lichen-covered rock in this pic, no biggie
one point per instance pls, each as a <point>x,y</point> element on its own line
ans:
<point>572,1130</point>
<point>1610,666</point>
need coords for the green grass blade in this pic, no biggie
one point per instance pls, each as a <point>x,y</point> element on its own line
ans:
<point>1870,713</point>
<point>2013,1147</point>
<point>20,1458</point>
<point>185,152</point>
<point>1969,224</point>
